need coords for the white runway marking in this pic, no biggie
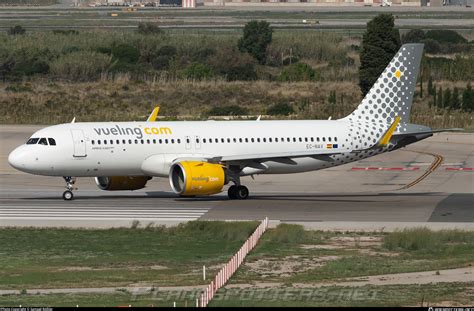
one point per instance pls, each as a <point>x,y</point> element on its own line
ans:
<point>89,212</point>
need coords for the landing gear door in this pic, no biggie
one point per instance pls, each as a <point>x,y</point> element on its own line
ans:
<point>79,143</point>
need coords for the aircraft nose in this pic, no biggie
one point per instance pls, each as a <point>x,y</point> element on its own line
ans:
<point>19,159</point>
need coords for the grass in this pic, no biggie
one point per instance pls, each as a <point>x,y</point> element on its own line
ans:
<point>44,102</point>
<point>365,296</point>
<point>157,256</point>
<point>51,258</point>
<point>410,250</point>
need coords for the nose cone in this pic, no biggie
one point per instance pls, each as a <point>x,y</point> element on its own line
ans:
<point>20,159</point>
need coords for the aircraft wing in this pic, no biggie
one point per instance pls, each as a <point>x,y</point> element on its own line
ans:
<point>266,156</point>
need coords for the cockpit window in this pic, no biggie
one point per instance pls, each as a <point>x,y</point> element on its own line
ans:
<point>52,142</point>
<point>43,141</point>
<point>32,141</point>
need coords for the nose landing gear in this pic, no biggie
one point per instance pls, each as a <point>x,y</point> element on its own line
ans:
<point>70,181</point>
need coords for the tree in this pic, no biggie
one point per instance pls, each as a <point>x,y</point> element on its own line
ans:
<point>435,104</point>
<point>447,98</point>
<point>257,36</point>
<point>440,98</point>
<point>455,104</point>
<point>468,98</point>
<point>431,89</point>
<point>16,30</point>
<point>380,42</point>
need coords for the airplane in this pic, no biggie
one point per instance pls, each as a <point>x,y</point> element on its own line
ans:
<point>201,157</point>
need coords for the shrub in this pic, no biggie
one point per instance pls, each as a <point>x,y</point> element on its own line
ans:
<point>232,110</point>
<point>149,28</point>
<point>432,46</point>
<point>65,32</point>
<point>233,65</point>
<point>413,36</point>
<point>16,30</point>
<point>298,72</point>
<point>126,53</point>
<point>81,66</point>
<point>445,36</point>
<point>198,71</point>
<point>163,57</point>
<point>288,233</point>
<point>282,109</point>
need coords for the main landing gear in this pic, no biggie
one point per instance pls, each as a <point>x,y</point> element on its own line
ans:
<point>70,181</point>
<point>238,192</point>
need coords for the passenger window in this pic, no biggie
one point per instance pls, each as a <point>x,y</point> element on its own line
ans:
<point>204,140</point>
<point>317,139</point>
<point>166,141</point>
<point>324,138</point>
<point>246,140</point>
<point>252,140</point>
<point>235,140</point>
<point>210,140</point>
<point>197,140</point>
<point>148,141</point>
<point>335,138</point>
<point>105,142</point>
<point>187,141</point>
<point>160,141</point>
<point>172,140</point>
<point>312,139</point>
<point>288,139</point>
<point>216,140</point>
<point>130,141</point>
<point>136,141</point>
<point>329,138</point>
<point>270,140</point>
<point>228,140</point>
<point>98,142</point>
<point>301,139</point>
<point>43,141</point>
<point>294,139</point>
<point>117,141</point>
<point>258,140</point>
<point>240,140</point>
<point>32,141</point>
<point>179,141</point>
<point>222,140</point>
<point>52,142</point>
<point>93,142</point>
<point>276,139</point>
<point>264,140</point>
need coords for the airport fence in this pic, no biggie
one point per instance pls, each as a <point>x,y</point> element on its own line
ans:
<point>232,265</point>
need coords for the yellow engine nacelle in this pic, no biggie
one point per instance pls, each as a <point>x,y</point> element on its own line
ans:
<point>111,183</point>
<point>196,178</point>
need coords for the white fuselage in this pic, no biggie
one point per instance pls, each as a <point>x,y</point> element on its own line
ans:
<point>120,148</point>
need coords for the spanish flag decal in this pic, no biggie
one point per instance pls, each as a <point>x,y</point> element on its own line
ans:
<point>331,146</point>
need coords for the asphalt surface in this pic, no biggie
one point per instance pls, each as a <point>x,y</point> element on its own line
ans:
<point>364,195</point>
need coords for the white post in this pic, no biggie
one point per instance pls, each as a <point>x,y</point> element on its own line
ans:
<point>197,302</point>
<point>204,273</point>
<point>174,304</point>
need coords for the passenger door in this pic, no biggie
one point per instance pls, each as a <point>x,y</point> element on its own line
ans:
<point>188,142</point>
<point>198,142</point>
<point>79,143</point>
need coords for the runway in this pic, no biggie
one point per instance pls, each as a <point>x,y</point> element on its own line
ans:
<point>383,192</point>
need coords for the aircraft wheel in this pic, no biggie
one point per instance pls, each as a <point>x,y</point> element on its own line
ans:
<point>242,193</point>
<point>67,195</point>
<point>232,192</point>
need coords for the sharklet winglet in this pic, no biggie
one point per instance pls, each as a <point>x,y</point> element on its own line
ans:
<point>154,114</point>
